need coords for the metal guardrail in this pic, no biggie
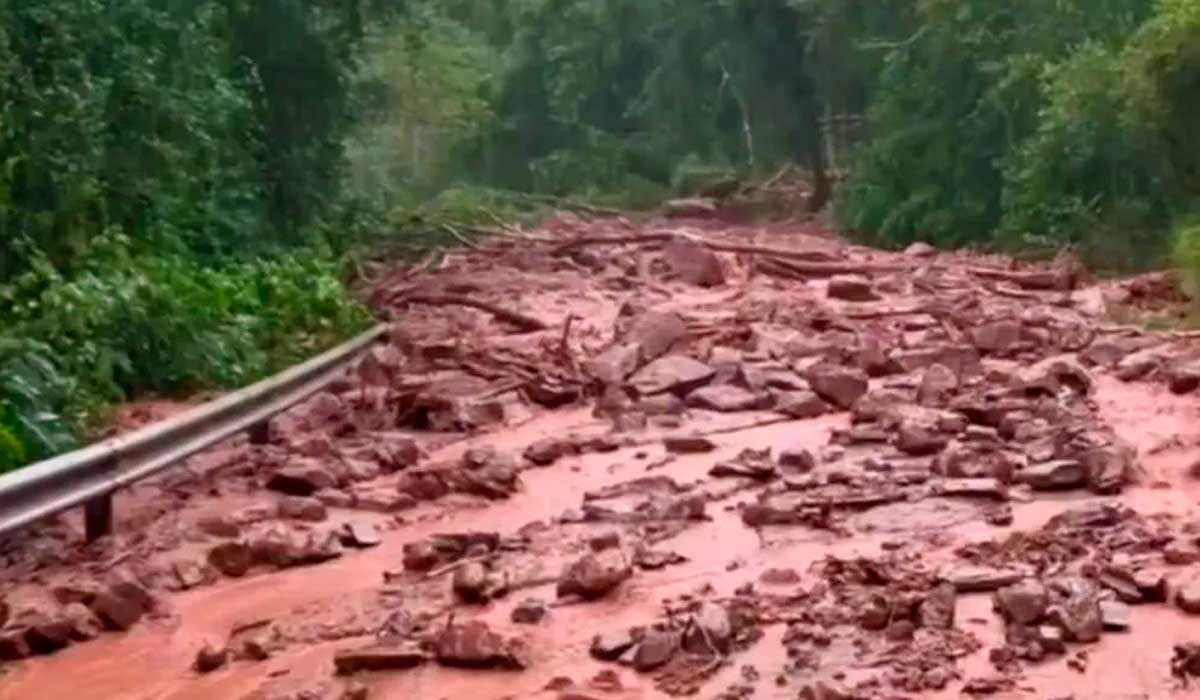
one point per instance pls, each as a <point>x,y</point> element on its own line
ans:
<point>90,476</point>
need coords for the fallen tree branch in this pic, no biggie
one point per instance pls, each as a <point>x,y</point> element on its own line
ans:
<point>525,323</point>
<point>1049,280</point>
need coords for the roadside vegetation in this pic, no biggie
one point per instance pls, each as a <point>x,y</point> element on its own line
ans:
<point>186,187</point>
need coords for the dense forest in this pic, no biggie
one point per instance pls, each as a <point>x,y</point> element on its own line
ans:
<point>183,181</point>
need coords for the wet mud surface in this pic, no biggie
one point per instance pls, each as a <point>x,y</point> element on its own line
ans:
<point>616,460</point>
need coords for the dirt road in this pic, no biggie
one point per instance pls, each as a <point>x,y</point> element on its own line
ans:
<point>609,460</point>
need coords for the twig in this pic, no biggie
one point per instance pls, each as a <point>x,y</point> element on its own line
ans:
<point>453,566</point>
<point>525,323</point>
<point>457,235</point>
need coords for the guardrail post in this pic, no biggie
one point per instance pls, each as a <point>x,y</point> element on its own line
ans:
<point>98,517</point>
<point>260,433</point>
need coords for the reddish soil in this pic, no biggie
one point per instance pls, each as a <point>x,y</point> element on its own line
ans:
<point>733,463</point>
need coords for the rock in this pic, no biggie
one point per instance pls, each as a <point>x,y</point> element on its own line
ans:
<point>727,398</point>
<point>334,498</point>
<point>1052,375</point>
<point>191,574</point>
<point>694,263</point>
<point>1076,609</point>
<point>996,337</point>
<point>1110,467</point>
<point>420,556</point>
<point>529,612</point>
<point>841,386</point>
<point>611,645</point>
<point>1188,598</point>
<point>46,636</point>
<point>1186,660</point>
<point>779,577</point>
<point>1058,475</point>
<point>594,576</point>
<point>83,622</point>
<point>13,646</point>
<point>660,405</point>
<point>655,650</point>
<point>1022,603</point>
<point>985,487</point>
<point>798,460</point>
<point>304,480</point>
<point>1050,638</point>
<point>937,610</point>
<point>118,612</point>
<point>546,451</point>
<point>875,615</point>
<point>471,582</point>
<point>301,508</point>
<point>968,578</point>
<point>678,374</point>
<point>690,208</point>
<point>854,288</point>
<point>1183,378</point>
<point>938,384</point>
<point>800,405</point>
<point>1152,585</point>
<point>900,631</point>
<point>361,534</point>
<point>688,444</point>
<point>917,440</point>
<point>759,471</point>
<point>218,526</point>
<point>475,645</point>
<point>1115,616</point>
<point>711,632</point>
<point>397,657</point>
<point>920,249</point>
<point>1180,553</point>
<point>383,499</point>
<point>210,658</point>
<point>1121,582</point>
<point>605,541</point>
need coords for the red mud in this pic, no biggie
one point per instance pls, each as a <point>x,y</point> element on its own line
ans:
<point>901,487</point>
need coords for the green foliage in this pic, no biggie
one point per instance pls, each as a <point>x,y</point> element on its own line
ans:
<point>128,325</point>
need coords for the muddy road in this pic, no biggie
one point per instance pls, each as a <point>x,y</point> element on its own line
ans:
<point>615,460</point>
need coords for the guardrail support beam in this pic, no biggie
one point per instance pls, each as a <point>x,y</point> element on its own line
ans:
<point>98,517</point>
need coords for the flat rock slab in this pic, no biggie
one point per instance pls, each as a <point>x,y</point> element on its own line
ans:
<point>726,398</point>
<point>678,374</point>
<point>968,578</point>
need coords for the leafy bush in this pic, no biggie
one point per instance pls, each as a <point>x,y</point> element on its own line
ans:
<point>129,325</point>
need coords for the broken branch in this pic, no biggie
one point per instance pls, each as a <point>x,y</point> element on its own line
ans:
<point>525,323</point>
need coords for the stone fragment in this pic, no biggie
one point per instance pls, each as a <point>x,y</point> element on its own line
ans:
<point>218,526</point>
<point>210,658</point>
<point>996,337</point>
<point>695,444</point>
<point>529,612</point>
<point>920,249</point>
<point>392,657</point>
<point>797,460</point>
<point>301,480</point>
<point>677,374</point>
<point>611,645</point>
<point>593,576</point>
<point>800,404</point>
<point>937,610</point>
<point>474,645</point>
<point>694,263</point>
<point>1115,616</point>
<point>655,650</point>
<point>711,632</point>
<point>917,440</point>
<point>1022,603</point>
<point>727,398</point>
<point>1057,475</point>
<point>302,508</point>
<point>471,582</point>
<point>853,288</point>
<point>967,578</point>
<point>361,535</point>
<point>83,622</point>
<point>938,384</point>
<point>840,386</point>
<point>546,451</point>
